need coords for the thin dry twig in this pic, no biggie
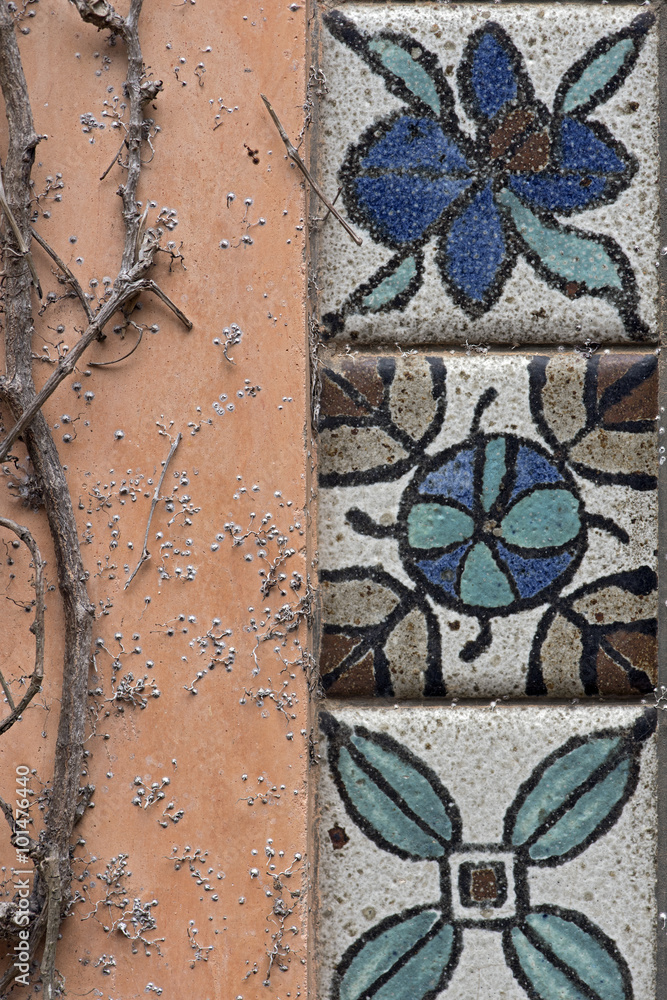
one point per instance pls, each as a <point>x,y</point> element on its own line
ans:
<point>116,361</point>
<point>145,554</point>
<point>76,287</point>
<point>134,284</point>
<point>293,154</point>
<point>37,628</point>
<point>51,891</point>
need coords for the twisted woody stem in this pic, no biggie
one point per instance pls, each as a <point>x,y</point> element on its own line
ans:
<point>51,885</point>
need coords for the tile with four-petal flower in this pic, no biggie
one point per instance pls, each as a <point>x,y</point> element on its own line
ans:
<point>487,524</point>
<point>479,852</point>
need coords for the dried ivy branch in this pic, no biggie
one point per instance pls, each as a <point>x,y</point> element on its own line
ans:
<point>37,629</point>
<point>293,154</point>
<point>51,889</point>
<point>145,554</point>
<point>69,276</point>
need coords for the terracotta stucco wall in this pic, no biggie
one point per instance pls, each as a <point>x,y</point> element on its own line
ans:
<point>231,463</point>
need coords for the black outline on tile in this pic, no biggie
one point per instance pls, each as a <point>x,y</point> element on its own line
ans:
<point>482,170</point>
<point>586,925</point>
<point>637,31</point>
<point>630,746</point>
<point>380,416</point>
<point>642,370</point>
<point>373,637</point>
<point>642,582</point>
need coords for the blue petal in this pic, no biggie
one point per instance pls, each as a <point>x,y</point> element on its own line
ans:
<point>558,193</point>
<point>532,468</point>
<point>581,149</point>
<point>493,78</point>
<point>442,572</point>
<point>475,246</point>
<point>533,575</point>
<point>403,206</point>
<point>416,144</point>
<point>454,479</point>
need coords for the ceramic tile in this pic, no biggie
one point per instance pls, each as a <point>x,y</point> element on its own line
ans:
<point>500,164</point>
<point>473,852</point>
<point>487,524</point>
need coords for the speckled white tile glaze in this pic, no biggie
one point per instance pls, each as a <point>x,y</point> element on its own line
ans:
<point>550,38</point>
<point>407,535</point>
<point>480,759</point>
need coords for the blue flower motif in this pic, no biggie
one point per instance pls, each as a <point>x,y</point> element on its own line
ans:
<point>570,800</point>
<point>416,176</point>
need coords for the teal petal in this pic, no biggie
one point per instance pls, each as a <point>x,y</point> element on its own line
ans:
<point>379,954</point>
<point>421,974</point>
<point>597,74</point>
<point>483,584</point>
<point>558,781</point>
<point>398,61</point>
<point>494,470</point>
<point>581,952</point>
<point>542,519</point>
<point>383,814</point>
<point>588,812</point>
<point>434,526</point>
<point>413,787</point>
<point>569,255</point>
<point>391,286</point>
<point>548,982</point>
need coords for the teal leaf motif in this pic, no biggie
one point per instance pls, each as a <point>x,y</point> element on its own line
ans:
<point>595,77</point>
<point>394,284</point>
<point>558,781</point>
<point>410,957</point>
<point>483,583</point>
<point>568,254</point>
<point>403,65</point>
<point>597,74</point>
<point>586,815</point>
<point>576,793</point>
<point>396,800</point>
<point>560,955</point>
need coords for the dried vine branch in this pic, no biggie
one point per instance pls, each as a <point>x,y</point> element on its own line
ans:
<point>51,891</point>
<point>37,628</point>
<point>293,154</point>
<point>145,554</point>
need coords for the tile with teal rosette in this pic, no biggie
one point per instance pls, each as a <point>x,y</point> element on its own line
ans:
<point>501,165</point>
<point>487,524</point>
<point>504,852</point>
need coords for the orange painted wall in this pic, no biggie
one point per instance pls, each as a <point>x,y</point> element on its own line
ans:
<point>204,743</point>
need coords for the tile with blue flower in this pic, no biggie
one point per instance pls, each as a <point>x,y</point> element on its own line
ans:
<point>502,167</point>
<point>487,852</point>
<point>487,524</point>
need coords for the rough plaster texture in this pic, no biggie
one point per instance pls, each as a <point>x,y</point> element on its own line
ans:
<point>551,38</point>
<point>482,755</point>
<point>247,456</point>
